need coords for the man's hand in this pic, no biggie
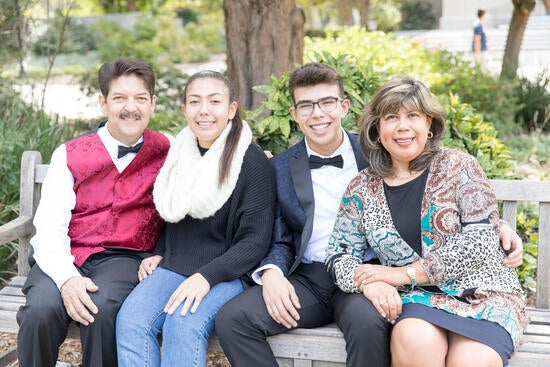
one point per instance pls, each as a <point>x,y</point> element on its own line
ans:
<point>191,291</point>
<point>512,245</point>
<point>147,266</point>
<point>280,298</point>
<point>77,301</point>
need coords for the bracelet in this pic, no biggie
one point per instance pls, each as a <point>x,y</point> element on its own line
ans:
<point>412,275</point>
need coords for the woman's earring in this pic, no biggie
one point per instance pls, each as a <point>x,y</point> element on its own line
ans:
<point>378,140</point>
<point>430,135</point>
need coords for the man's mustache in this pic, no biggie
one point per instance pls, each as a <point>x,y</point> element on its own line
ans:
<point>130,115</point>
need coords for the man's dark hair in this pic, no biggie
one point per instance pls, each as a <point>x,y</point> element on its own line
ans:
<point>481,12</point>
<point>312,74</point>
<point>125,66</point>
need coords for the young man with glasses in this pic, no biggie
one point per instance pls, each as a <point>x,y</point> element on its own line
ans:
<point>295,289</point>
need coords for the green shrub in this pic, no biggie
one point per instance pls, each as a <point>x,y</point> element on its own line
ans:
<point>159,41</point>
<point>8,38</point>
<point>527,227</point>
<point>386,15</point>
<point>417,15</point>
<point>22,128</point>
<point>188,15</point>
<point>77,38</point>
<point>534,100</point>
<point>466,130</point>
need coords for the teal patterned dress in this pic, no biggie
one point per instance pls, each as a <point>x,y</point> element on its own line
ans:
<point>461,253</point>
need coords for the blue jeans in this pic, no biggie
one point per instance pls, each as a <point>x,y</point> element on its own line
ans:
<point>141,320</point>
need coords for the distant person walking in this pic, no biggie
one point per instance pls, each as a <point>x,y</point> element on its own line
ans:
<point>479,44</point>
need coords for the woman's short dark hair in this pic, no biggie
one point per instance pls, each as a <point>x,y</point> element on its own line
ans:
<point>125,66</point>
<point>314,73</point>
<point>236,126</point>
<point>399,92</point>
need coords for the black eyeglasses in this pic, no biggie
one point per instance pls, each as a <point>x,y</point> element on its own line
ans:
<point>327,104</point>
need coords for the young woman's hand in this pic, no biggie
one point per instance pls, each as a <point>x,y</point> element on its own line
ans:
<point>147,266</point>
<point>191,291</point>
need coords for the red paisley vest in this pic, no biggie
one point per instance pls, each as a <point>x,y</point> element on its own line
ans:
<point>114,210</point>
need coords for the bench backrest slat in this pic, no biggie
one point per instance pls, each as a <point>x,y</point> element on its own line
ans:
<point>510,192</point>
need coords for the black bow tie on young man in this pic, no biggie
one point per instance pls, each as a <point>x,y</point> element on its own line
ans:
<point>122,150</point>
<point>317,162</point>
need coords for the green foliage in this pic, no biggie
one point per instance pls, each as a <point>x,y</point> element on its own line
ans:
<point>534,100</point>
<point>492,97</point>
<point>188,15</point>
<point>8,35</point>
<point>527,227</point>
<point>417,15</point>
<point>386,15</point>
<point>271,122</point>
<point>77,38</point>
<point>22,128</point>
<point>466,130</point>
<point>159,41</point>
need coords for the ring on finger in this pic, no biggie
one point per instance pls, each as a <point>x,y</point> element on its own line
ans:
<point>381,302</point>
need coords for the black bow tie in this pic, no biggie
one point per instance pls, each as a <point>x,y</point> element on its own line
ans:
<point>318,162</point>
<point>122,150</point>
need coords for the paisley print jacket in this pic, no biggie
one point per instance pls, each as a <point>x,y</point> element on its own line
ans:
<point>461,253</point>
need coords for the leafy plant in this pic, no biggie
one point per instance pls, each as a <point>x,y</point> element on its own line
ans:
<point>466,130</point>
<point>77,38</point>
<point>534,100</point>
<point>417,15</point>
<point>22,127</point>
<point>527,227</point>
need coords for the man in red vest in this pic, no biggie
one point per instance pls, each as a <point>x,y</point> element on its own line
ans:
<point>95,222</point>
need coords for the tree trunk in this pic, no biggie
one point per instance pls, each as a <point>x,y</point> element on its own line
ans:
<point>345,15</point>
<point>518,23</point>
<point>19,29</point>
<point>130,5</point>
<point>364,11</point>
<point>264,38</point>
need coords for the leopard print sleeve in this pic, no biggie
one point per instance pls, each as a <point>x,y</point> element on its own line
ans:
<point>347,243</point>
<point>468,244</point>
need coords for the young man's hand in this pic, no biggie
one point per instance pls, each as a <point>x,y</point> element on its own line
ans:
<point>280,298</point>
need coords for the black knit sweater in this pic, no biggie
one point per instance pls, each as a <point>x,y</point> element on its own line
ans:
<point>234,240</point>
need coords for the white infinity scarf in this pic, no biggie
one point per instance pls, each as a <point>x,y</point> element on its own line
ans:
<point>187,183</point>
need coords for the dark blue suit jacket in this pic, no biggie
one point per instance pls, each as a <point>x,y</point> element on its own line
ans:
<point>295,205</point>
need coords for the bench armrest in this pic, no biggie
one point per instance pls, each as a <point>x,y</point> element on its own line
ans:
<point>19,227</point>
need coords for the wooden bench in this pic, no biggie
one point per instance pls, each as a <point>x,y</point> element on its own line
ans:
<point>324,346</point>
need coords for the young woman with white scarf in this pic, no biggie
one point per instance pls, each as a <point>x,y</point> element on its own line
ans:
<point>216,192</point>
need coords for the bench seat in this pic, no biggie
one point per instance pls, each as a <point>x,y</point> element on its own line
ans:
<point>323,346</point>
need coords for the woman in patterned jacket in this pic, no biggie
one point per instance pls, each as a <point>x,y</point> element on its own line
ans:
<point>431,217</point>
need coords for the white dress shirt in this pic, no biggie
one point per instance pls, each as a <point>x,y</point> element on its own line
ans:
<point>51,243</point>
<point>329,185</point>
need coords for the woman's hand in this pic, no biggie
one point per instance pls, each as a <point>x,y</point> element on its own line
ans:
<point>384,298</point>
<point>191,291</point>
<point>368,273</point>
<point>147,266</point>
